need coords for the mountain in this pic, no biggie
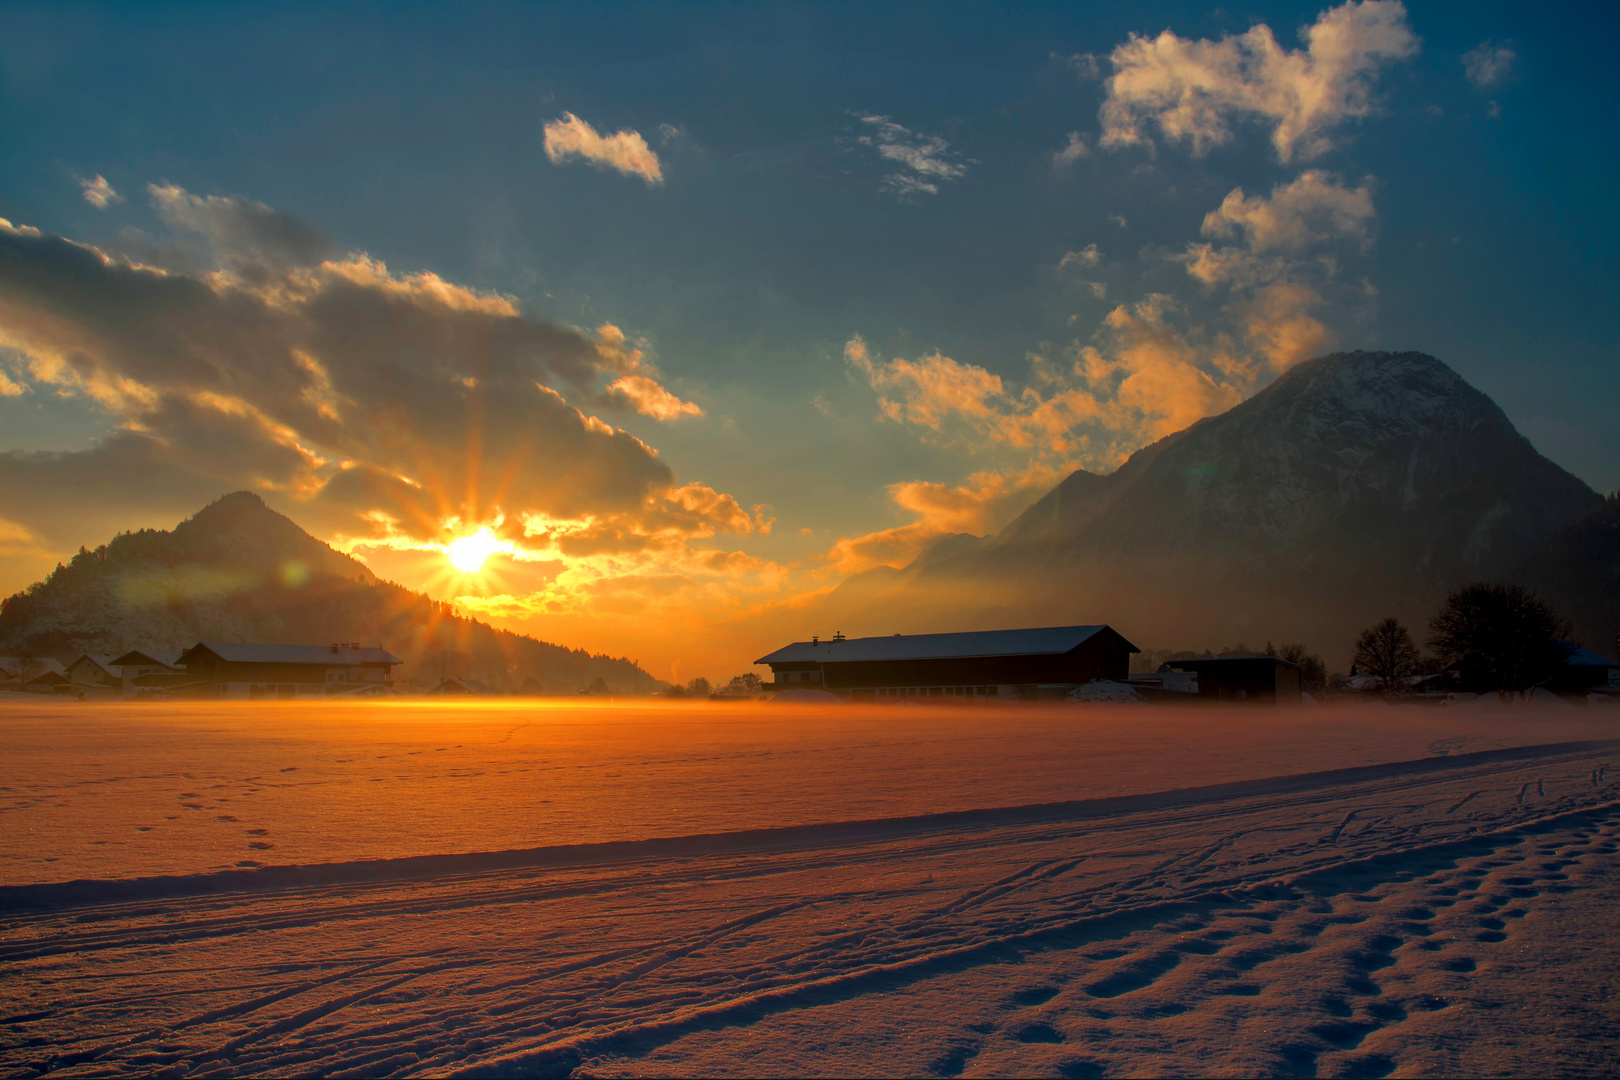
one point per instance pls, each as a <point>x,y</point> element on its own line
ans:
<point>1578,573</point>
<point>1358,485</point>
<point>239,571</point>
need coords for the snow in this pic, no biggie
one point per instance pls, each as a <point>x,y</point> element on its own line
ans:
<point>515,889</point>
<point>1105,692</point>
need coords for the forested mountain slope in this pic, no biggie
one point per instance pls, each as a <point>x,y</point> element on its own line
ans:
<point>239,571</point>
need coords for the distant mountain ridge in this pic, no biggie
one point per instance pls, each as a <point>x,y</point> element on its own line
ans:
<point>1357,485</point>
<point>239,571</point>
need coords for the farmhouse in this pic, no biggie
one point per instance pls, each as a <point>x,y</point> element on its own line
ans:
<point>984,665</point>
<point>99,676</point>
<point>148,670</point>
<point>220,669</point>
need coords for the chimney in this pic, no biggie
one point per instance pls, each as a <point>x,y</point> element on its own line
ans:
<point>814,640</point>
<point>838,635</point>
<point>335,648</point>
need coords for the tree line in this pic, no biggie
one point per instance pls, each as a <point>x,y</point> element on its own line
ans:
<point>1508,639</point>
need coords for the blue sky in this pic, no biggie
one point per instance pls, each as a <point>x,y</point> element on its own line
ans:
<point>795,282</point>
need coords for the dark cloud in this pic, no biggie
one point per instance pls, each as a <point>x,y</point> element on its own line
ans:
<point>365,395</point>
<point>242,227</point>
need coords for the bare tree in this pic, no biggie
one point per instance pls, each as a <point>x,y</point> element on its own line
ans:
<point>1503,636</point>
<point>1312,671</point>
<point>747,683</point>
<point>1385,651</point>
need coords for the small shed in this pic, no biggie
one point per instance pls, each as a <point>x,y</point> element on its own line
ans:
<point>1255,680</point>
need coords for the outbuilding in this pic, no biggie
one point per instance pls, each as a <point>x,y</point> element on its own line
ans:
<point>1042,663</point>
<point>1255,680</point>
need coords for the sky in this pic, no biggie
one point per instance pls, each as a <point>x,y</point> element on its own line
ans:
<point>638,328</point>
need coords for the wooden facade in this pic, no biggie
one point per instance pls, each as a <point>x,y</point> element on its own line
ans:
<point>999,665</point>
<point>228,670</point>
<point>1254,680</point>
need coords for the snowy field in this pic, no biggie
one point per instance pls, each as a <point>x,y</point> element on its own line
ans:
<point>520,889</point>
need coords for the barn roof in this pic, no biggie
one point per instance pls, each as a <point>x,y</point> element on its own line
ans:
<point>166,657</point>
<point>109,664</point>
<point>329,655</point>
<point>1579,657</point>
<point>1039,641</point>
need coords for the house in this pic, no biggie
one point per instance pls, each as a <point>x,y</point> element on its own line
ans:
<point>460,688</point>
<point>1042,663</point>
<point>1257,680</point>
<point>228,670</point>
<point>50,682</point>
<point>1581,670</point>
<point>146,670</point>
<point>17,671</point>
<point>97,676</point>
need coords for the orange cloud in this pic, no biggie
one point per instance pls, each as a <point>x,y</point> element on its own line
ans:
<point>625,151</point>
<point>982,504</point>
<point>647,397</point>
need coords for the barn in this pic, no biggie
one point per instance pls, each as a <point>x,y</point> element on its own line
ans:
<point>983,665</point>
<point>229,670</point>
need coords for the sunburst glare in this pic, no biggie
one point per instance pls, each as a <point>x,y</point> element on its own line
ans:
<point>469,553</point>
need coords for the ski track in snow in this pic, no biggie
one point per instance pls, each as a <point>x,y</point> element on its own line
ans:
<point>1378,920</point>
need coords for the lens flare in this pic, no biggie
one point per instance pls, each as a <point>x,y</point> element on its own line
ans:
<point>468,553</point>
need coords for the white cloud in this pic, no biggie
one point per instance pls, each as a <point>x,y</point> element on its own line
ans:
<point>1488,63</point>
<point>98,193</point>
<point>625,151</point>
<point>1118,219</point>
<point>1073,152</point>
<point>1313,208</point>
<point>1194,90</point>
<point>924,160</point>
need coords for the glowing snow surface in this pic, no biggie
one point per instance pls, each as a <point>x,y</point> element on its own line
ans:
<point>1436,898</point>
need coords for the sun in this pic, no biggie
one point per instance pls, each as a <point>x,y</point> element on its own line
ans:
<point>468,553</point>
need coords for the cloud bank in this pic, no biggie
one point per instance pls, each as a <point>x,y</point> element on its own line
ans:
<point>390,412</point>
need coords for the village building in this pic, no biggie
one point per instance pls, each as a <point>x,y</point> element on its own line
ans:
<point>226,670</point>
<point>1043,663</point>
<point>30,673</point>
<point>95,676</point>
<point>1253,680</point>
<point>149,670</point>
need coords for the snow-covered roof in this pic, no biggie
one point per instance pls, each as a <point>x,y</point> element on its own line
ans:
<point>1581,658</point>
<point>329,655</point>
<point>1040,641</point>
<point>12,666</point>
<point>105,663</point>
<point>166,657</point>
